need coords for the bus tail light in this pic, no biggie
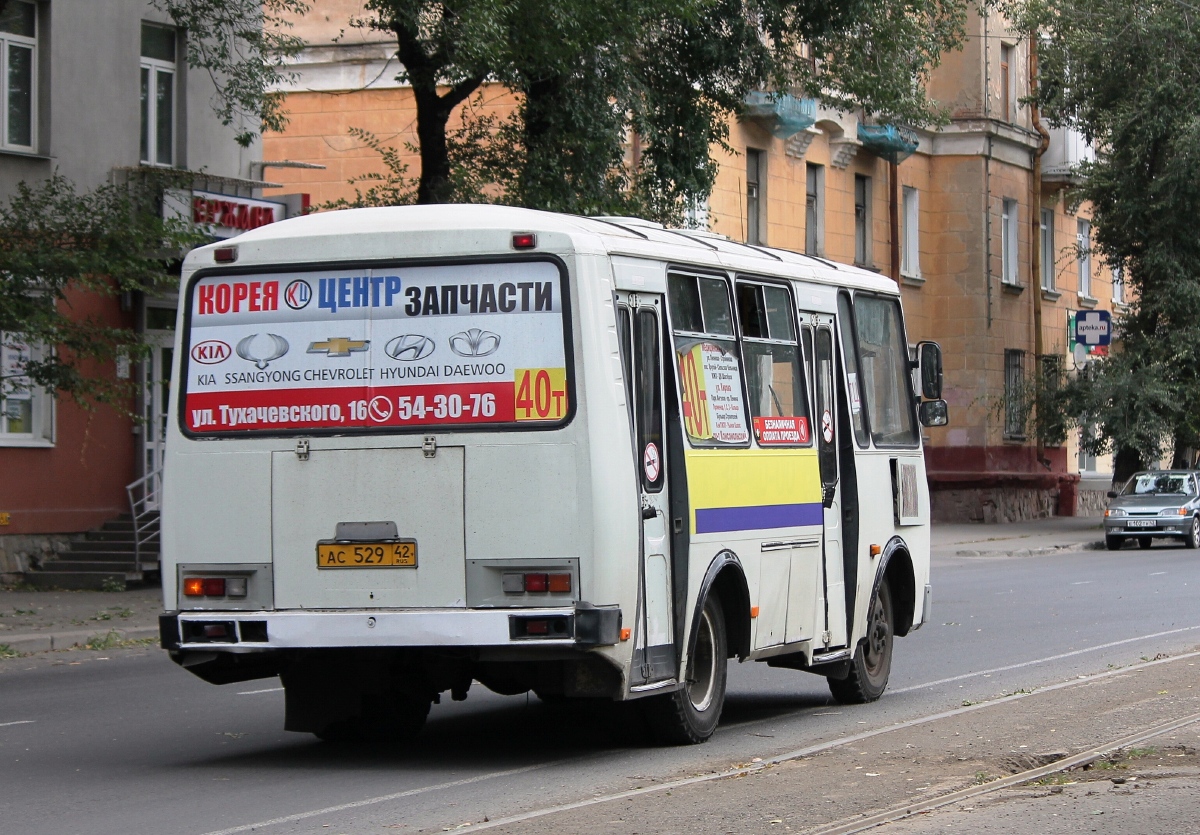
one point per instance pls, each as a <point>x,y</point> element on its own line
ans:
<point>536,582</point>
<point>560,583</point>
<point>193,587</point>
<point>524,240</point>
<point>214,587</point>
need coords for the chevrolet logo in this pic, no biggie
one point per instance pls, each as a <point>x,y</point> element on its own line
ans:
<point>338,346</point>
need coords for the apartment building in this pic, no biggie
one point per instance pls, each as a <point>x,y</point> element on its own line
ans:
<point>950,214</point>
<point>101,92</point>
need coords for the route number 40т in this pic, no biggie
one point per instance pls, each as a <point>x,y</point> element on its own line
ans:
<point>541,393</point>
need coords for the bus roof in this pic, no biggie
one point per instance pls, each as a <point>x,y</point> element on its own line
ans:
<point>472,229</point>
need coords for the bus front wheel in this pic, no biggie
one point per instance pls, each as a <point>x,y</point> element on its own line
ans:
<point>690,714</point>
<point>872,662</point>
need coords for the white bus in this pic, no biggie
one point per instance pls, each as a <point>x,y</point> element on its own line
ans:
<point>420,447</point>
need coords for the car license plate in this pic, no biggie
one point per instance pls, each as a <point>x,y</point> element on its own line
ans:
<point>396,554</point>
<point>1141,523</point>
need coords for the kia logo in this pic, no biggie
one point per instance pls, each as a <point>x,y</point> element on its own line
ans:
<point>409,347</point>
<point>262,348</point>
<point>475,343</point>
<point>211,352</point>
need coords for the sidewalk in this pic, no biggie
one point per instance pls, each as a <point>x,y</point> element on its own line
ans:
<point>1020,539</point>
<point>35,621</point>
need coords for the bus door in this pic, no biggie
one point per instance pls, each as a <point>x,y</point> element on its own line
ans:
<point>820,352</point>
<point>640,322</point>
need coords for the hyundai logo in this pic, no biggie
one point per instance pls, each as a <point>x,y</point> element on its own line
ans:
<point>475,343</point>
<point>409,347</point>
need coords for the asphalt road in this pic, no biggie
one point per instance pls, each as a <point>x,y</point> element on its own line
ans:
<point>126,742</point>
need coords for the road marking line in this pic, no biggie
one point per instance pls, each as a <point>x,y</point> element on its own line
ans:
<point>256,692</point>
<point>1036,661</point>
<point>804,752</point>
<point>1082,582</point>
<point>1156,573</point>
<point>18,722</point>
<point>370,801</point>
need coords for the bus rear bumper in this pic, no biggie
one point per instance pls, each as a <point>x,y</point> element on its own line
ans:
<point>581,626</point>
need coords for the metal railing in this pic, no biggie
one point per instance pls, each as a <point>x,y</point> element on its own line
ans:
<point>145,498</point>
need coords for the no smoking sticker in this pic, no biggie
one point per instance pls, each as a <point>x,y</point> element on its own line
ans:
<point>651,462</point>
<point>827,426</point>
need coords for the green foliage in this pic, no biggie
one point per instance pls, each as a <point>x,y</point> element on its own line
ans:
<point>672,72</point>
<point>57,247</point>
<point>243,45</point>
<point>1124,73</point>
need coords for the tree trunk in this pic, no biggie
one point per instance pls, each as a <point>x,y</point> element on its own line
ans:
<point>1126,462</point>
<point>433,112</point>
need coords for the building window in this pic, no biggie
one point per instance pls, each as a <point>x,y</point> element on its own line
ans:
<point>158,95</point>
<point>1047,244</point>
<point>910,259</point>
<point>862,220</point>
<point>754,177</point>
<point>814,209</point>
<point>1014,394</point>
<point>1083,240</point>
<point>18,75</point>
<point>1007,71</point>
<point>1118,279</point>
<point>1008,242</point>
<point>25,410</point>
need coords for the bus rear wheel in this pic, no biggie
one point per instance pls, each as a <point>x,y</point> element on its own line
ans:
<point>872,662</point>
<point>690,715</point>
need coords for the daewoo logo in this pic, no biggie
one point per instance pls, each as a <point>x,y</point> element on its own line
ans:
<point>474,343</point>
<point>211,352</point>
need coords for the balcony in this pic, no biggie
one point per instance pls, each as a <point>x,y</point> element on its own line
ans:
<point>1068,149</point>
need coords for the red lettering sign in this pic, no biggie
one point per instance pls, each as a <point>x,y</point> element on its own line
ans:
<point>237,296</point>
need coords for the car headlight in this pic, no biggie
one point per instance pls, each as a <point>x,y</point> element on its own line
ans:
<point>1114,511</point>
<point>1174,511</point>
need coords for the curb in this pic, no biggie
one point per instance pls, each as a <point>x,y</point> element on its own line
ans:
<point>1032,552</point>
<point>45,642</point>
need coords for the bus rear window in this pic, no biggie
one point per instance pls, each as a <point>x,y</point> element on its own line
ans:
<point>376,349</point>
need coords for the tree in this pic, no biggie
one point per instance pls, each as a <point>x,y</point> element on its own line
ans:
<point>672,71</point>
<point>243,46</point>
<point>1124,73</point>
<point>57,246</point>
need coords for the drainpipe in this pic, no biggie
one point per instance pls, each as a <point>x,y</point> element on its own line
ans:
<point>1035,202</point>
<point>894,217</point>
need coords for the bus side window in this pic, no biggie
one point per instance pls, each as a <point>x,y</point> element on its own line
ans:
<point>649,397</point>
<point>807,336</point>
<point>858,416</point>
<point>771,355</point>
<point>625,337</point>
<point>826,416</point>
<point>707,358</point>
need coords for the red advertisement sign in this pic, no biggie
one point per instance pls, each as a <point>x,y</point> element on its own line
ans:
<point>778,431</point>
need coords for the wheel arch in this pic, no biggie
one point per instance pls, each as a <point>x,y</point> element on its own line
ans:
<point>726,579</point>
<point>896,569</point>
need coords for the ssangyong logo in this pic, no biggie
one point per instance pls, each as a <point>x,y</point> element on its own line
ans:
<point>262,349</point>
<point>409,347</point>
<point>298,294</point>
<point>211,352</point>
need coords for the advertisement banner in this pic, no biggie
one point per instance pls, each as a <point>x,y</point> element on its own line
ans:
<point>376,348</point>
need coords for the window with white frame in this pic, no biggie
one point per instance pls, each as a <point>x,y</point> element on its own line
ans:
<point>1083,241</point>
<point>1047,229</point>
<point>18,76</point>
<point>26,412</point>
<point>910,257</point>
<point>158,95</point>
<point>1008,242</point>
<point>1118,281</point>
<point>814,209</point>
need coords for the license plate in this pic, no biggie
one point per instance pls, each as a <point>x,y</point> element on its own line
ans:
<point>1141,523</point>
<point>395,554</point>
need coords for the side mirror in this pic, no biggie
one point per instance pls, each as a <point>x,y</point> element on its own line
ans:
<point>929,360</point>
<point>933,413</point>
<point>1112,494</point>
